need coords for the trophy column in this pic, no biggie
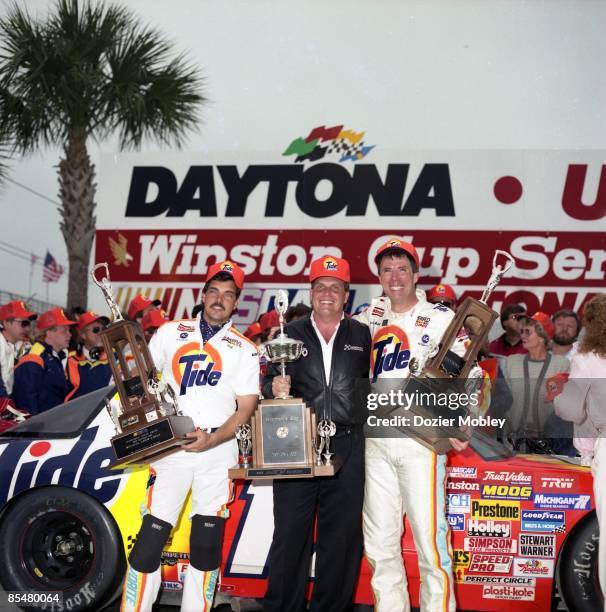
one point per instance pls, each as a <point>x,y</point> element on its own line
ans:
<point>149,424</point>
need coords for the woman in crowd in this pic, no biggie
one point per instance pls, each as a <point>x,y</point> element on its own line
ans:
<point>531,417</point>
<point>583,401</point>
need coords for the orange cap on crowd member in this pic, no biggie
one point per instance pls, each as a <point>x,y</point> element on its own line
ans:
<point>544,320</point>
<point>394,245</point>
<point>442,292</point>
<point>253,330</point>
<point>90,317</point>
<point>52,318</point>
<point>140,303</point>
<point>269,319</point>
<point>329,266</point>
<point>16,310</point>
<point>231,268</point>
<point>154,318</point>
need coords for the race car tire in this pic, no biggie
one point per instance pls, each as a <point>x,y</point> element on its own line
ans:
<point>577,570</point>
<point>61,539</point>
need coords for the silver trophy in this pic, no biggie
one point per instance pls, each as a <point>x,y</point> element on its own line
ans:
<point>282,349</point>
<point>107,290</point>
<point>244,437</point>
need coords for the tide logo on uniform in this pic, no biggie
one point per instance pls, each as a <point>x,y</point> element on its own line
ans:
<point>193,366</point>
<point>390,351</point>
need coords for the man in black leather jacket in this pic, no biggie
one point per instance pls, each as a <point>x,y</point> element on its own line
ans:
<point>329,376</point>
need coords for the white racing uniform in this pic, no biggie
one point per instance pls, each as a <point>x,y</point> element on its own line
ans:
<point>206,379</point>
<point>404,477</point>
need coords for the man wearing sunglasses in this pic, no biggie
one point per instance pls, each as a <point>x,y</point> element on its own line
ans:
<point>510,343</point>
<point>88,368</point>
<point>15,321</point>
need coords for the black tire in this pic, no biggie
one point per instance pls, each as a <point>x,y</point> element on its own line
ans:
<point>60,539</point>
<point>577,573</point>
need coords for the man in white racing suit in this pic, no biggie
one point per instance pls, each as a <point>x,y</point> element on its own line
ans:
<point>213,369</point>
<point>404,477</point>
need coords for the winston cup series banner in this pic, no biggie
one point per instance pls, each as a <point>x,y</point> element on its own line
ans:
<point>163,219</point>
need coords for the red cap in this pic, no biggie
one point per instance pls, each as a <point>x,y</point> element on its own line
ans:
<point>397,245</point>
<point>53,317</point>
<point>154,318</point>
<point>269,319</point>
<point>231,268</point>
<point>252,331</point>
<point>140,303</point>
<point>442,292</point>
<point>90,317</point>
<point>16,310</point>
<point>544,320</point>
<point>329,266</point>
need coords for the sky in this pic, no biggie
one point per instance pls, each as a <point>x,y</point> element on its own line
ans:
<point>463,74</point>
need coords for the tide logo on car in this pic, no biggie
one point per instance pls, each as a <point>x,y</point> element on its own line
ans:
<point>193,366</point>
<point>81,464</point>
<point>390,351</point>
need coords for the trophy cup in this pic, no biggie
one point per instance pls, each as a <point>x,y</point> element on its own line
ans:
<point>148,421</point>
<point>439,372</point>
<point>284,439</point>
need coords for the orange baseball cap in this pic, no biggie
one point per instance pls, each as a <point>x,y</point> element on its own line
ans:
<point>90,317</point>
<point>442,292</point>
<point>253,330</point>
<point>52,318</point>
<point>269,319</point>
<point>544,320</point>
<point>154,318</point>
<point>140,303</point>
<point>329,266</point>
<point>16,310</point>
<point>231,268</point>
<point>395,244</point>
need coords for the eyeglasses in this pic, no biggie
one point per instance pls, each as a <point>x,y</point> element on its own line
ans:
<point>97,329</point>
<point>24,322</point>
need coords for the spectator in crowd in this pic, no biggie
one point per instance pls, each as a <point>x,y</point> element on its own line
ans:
<point>270,325</point>
<point>583,401</point>
<point>338,354</point>
<point>139,306</point>
<point>15,320</point>
<point>510,342</point>
<point>152,321</point>
<point>87,367</point>
<point>567,326</point>
<point>253,332</point>
<point>40,376</point>
<point>531,418</point>
<point>298,311</point>
<point>442,294</point>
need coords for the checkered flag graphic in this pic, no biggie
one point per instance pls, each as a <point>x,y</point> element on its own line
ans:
<point>130,542</point>
<point>344,147</point>
<point>560,529</point>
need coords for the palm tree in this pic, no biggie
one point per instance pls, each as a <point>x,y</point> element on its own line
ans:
<point>88,71</point>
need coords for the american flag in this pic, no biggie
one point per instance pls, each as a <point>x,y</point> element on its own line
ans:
<point>52,271</point>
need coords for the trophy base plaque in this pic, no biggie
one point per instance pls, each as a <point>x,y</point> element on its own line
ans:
<point>151,442</point>
<point>282,443</point>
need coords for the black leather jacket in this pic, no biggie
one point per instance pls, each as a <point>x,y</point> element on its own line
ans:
<point>343,397</point>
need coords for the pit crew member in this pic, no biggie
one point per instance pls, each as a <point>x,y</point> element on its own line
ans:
<point>214,372</point>
<point>402,475</point>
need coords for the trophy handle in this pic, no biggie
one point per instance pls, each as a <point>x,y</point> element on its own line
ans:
<point>497,273</point>
<point>106,288</point>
